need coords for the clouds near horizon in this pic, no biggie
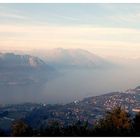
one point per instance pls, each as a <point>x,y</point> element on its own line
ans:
<point>106,29</point>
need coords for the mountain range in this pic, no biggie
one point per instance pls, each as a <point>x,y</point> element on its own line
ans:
<point>74,58</point>
<point>24,69</point>
<point>15,61</point>
<point>24,77</point>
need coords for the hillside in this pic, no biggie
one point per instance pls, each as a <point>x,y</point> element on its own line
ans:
<point>91,109</point>
<point>73,58</point>
<point>22,69</point>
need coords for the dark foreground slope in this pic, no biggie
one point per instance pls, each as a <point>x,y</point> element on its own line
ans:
<point>89,109</point>
<point>116,122</point>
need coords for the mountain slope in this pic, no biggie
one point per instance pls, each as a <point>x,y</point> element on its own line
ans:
<point>11,60</point>
<point>90,109</point>
<point>19,69</point>
<point>74,58</point>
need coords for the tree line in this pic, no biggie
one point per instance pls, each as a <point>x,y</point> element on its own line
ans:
<point>117,122</point>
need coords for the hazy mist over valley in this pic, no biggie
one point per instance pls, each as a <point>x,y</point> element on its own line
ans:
<point>59,53</point>
<point>69,69</point>
<point>62,76</point>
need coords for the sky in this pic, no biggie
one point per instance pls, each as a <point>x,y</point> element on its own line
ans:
<point>109,30</point>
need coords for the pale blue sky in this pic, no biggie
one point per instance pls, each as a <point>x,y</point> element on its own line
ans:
<point>101,28</point>
<point>105,15</point>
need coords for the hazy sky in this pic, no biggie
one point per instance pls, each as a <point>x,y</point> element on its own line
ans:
<point>105,29</point>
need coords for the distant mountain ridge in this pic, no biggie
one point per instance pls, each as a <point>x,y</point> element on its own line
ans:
<point>22,69</point>
<point>11,60</point>
<point>74,58</point>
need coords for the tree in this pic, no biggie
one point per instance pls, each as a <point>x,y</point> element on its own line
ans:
<point>20,128</point>
<point>116,122</point>
<point>53,128</point>
<point>2,133</point>
<point>136,124</point>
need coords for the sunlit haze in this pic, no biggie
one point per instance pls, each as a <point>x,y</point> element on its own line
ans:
<point>109,30</point>
<point>66,52</point>
<point>69,70</point>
